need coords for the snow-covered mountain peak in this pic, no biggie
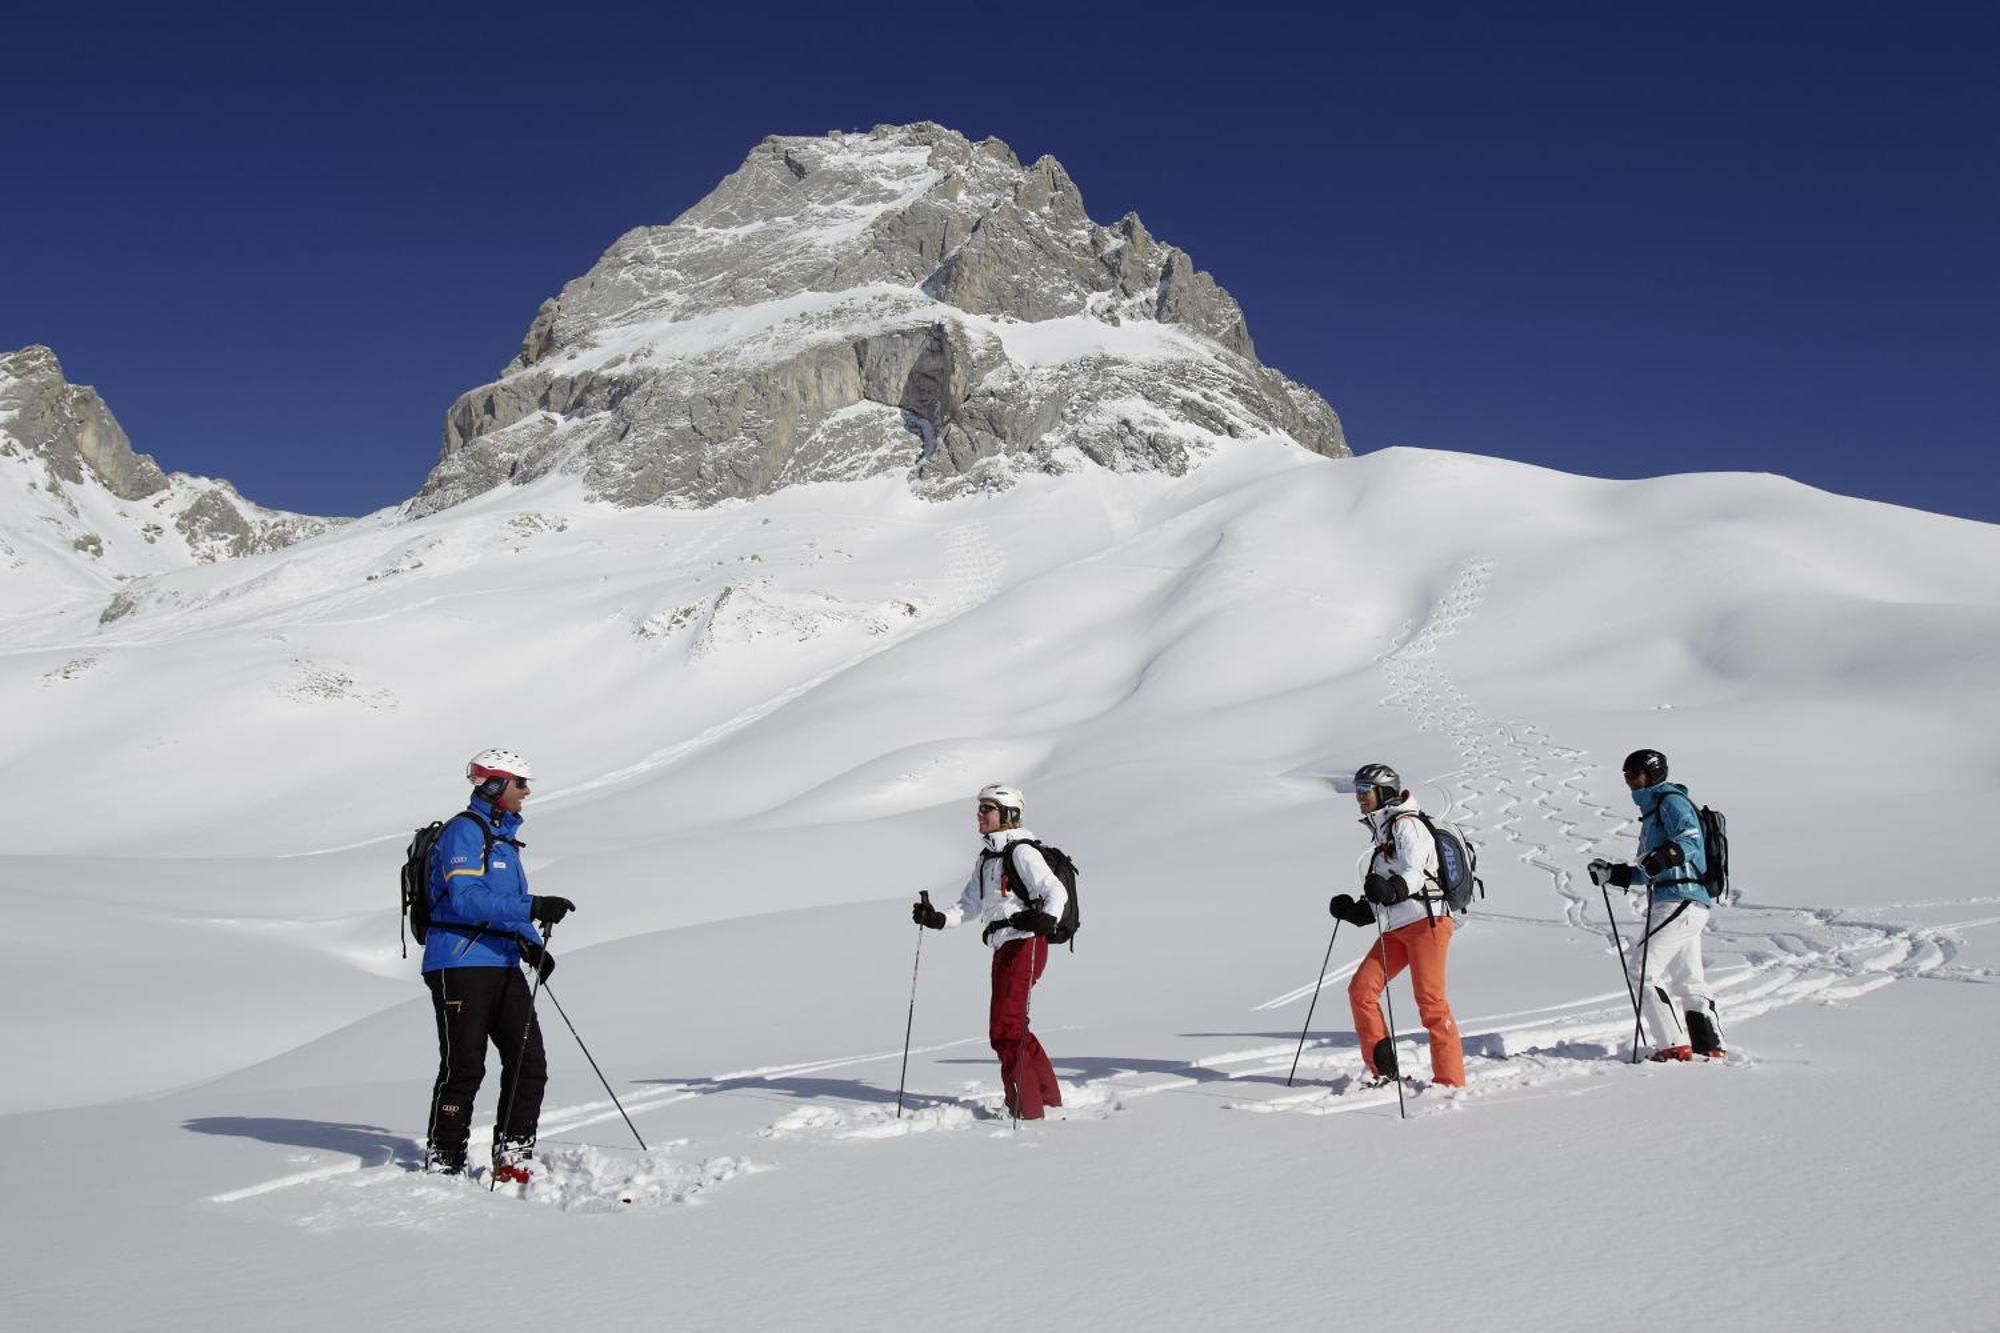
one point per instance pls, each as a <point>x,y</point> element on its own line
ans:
<point>848,305</point>
<point>81,511</point>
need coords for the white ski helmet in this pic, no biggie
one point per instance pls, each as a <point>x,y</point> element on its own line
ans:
<point>1007,797</point>
<point>497,764</point>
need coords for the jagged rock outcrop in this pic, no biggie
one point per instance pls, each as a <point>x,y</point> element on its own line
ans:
<point>904,300</point>
<point>76,499</point>
<point>69,428</point>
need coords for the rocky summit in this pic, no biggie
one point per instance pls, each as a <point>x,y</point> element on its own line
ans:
<point>899,301</point>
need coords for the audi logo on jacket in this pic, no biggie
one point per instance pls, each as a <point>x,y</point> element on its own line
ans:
<point>984,899</point>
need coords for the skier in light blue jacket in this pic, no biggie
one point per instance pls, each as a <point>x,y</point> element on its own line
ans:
<point>1665,968</point>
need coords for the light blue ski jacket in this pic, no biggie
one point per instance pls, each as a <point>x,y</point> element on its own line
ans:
<point>479,901</point>
<point>1667,814</point>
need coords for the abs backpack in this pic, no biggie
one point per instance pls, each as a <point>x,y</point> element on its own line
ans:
<point>1064,870</point>
<point>1457,877</point>
<point>416,879</point>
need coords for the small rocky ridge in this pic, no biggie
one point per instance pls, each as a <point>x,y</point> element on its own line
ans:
<point>78,501</point>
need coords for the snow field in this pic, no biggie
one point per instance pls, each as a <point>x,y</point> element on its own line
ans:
<point>1180,673</point>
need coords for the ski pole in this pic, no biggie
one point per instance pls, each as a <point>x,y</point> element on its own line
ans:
<point>1324,964</point>
<point>910,1023</point>
<point>521,1055</point>
<point>1623,967</point>
<point>593,1067</point>
<point>1382,935</point>
<point>1645,947</point>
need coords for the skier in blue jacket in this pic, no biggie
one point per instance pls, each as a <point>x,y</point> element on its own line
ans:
<point>482,929</point>
<point>1665,968</point>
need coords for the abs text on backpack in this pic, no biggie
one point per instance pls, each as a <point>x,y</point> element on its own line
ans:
<point>1064,870</point>
<point>1457,879</point>
<point>416,877</point>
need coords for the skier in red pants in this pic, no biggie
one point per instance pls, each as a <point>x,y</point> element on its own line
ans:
<point>1019,900</point>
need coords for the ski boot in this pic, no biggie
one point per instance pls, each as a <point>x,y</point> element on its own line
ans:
<point>513,1161</point>
<point>443,1162</point>
<point>1386,1069</point>
<point>1704,1035</point>
<point>1666,1053</point>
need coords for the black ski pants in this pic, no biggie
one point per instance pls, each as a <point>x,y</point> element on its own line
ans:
<point>475,1005</point>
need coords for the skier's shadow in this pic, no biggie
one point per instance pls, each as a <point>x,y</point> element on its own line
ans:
<point>373,1144</point>
<point>1094,1067</point>
<point>1089,1068</point>
<point>801,1089</point>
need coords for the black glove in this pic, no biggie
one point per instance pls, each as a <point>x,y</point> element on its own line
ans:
<point>535,956</point>
<point>548,911</point>
<point>1035,923</point>
<point>1385,890</point>
<point>1346,907</point>
<point>1619,877</point>
<point>925,915</point>
<point>986,935</point>
<point>1599,871</point>
<point>1664,857</point>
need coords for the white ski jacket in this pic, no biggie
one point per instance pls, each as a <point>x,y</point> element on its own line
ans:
<point>1406,850</point>
<point>985,899</point>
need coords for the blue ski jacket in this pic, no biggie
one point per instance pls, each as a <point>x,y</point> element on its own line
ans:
<point>479,893</point>
<point>1667,814</point>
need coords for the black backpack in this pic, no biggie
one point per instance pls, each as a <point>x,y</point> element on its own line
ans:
<point>1064,869</point>
<point>416,879</point>
<point>1715,853</point>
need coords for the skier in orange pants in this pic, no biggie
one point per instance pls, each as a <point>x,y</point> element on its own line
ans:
<point>1403,895</point>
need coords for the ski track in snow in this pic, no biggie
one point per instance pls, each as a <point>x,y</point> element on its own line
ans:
<point>1515,787</point>
<point>1514,778</point>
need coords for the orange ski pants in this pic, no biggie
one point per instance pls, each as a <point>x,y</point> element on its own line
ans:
<point>1421,947</point>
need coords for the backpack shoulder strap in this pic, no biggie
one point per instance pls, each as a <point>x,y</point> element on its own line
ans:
<point>1014,869</point>
<point>1436,855</point>
<point>485,853</point>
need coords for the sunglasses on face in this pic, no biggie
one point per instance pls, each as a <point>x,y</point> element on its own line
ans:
<point>988,808</point>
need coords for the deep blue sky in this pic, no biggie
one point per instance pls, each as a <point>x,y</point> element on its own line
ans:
<point>1613,239</point>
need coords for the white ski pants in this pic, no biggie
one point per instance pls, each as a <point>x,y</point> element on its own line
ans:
<point>1669,952</point>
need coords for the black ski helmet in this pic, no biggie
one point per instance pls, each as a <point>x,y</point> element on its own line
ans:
<point>1650,762</point>
<point>1383,779</point>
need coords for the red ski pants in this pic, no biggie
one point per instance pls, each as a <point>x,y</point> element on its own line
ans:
<point>1421,947</point>
<point>1024,1067</point>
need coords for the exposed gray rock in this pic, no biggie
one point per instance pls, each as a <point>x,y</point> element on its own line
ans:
<point>902,301</point>
<point>69,427</point>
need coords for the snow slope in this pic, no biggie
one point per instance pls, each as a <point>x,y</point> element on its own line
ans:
<point>761,726</point>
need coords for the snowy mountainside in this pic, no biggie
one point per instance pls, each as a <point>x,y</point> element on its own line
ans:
<point>81,512</point>
<point>900,302</point>
<point>761,724</point>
